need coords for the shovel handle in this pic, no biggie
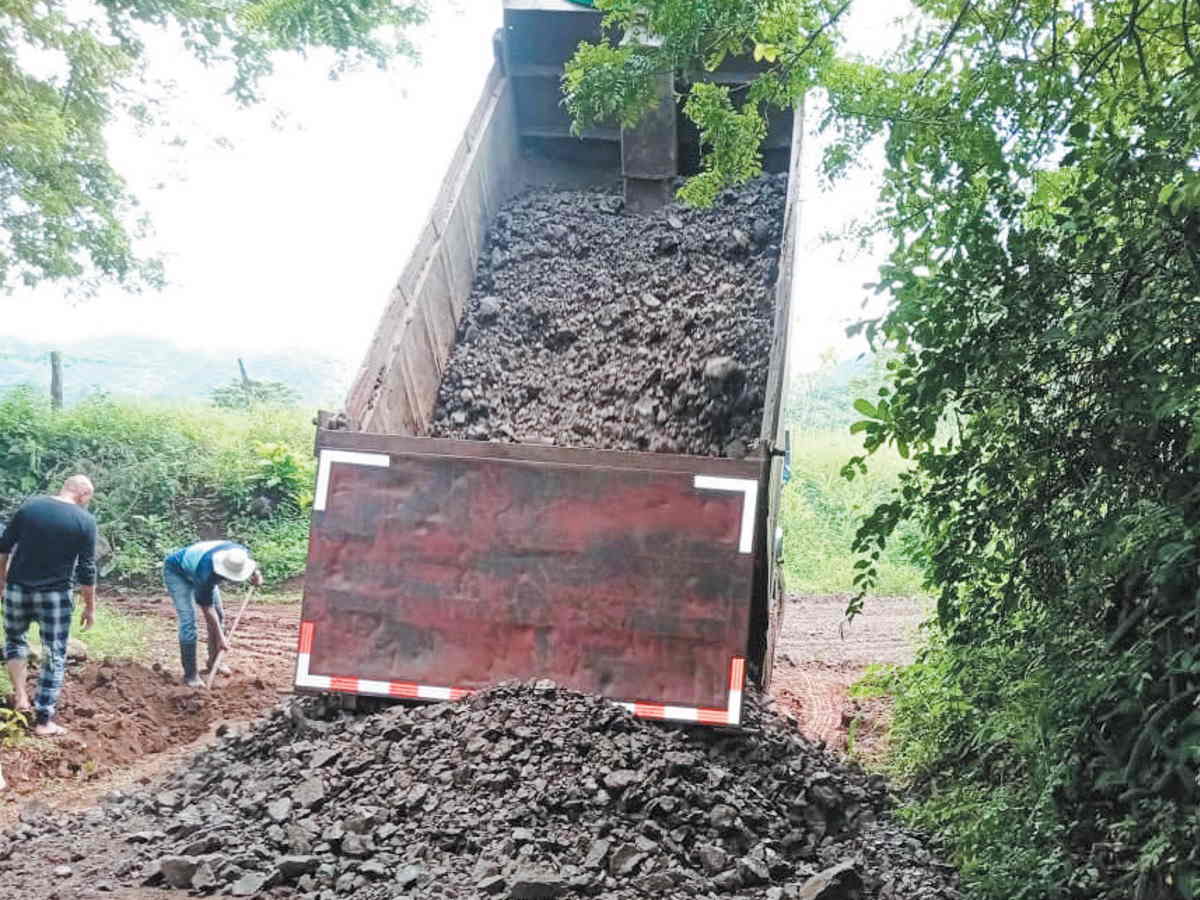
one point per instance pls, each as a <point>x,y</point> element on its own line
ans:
<point>212,676</point>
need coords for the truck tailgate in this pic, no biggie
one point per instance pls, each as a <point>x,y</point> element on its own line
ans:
<point>438,567</point>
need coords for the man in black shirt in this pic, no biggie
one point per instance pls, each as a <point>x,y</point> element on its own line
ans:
<point>55,541</point>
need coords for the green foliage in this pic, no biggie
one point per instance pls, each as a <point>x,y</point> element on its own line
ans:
<point>242,394</point>
<point>608,84</point>
<point>68,69</point>
<point>734,137</point>
<point>822,508</point>
<point>165,475</point>
<point>820,514</point>
<point>823,400</point>
<point>359,30</point>
<point>280,545</point>
<point>795,38</point>
<point>980,741</point>
<point>284,476</point>
<point>1044,278</point>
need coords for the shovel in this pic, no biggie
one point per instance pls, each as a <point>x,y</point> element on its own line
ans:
<point>216,666</point>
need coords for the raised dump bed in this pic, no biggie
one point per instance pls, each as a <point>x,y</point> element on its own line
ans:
<point>441,565</point>
<point>592,328</point>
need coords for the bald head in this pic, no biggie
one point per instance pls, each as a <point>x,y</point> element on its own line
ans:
<point>78,489</point>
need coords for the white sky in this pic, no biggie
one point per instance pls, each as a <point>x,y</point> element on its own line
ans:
<point>293,238</point>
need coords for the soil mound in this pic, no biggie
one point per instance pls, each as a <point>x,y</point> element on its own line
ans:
<point>590,328</point>
<point>118,712</point>
<point>521,791</point>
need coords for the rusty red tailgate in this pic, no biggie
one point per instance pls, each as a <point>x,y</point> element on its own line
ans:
<point>438,567</point>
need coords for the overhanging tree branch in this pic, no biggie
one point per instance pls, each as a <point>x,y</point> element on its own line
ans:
<point>946,41</point>
<point>1186,28</point>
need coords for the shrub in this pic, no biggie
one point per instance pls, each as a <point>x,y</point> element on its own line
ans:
<point>242,394</point>
<point>280,545</point>
<point>165,475</point>
<point>986,739</point>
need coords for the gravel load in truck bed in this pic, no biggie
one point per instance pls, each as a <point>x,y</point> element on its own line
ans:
<point>519,791</point>
<point>590,328</point>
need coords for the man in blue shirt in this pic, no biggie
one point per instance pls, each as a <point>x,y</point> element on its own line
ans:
<point>52,542</point>
<point>192,576</point>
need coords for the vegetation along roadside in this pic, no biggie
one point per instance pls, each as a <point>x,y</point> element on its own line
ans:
<point>167,475</point>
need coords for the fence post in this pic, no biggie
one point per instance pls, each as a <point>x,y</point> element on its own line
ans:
<point>56,380</point>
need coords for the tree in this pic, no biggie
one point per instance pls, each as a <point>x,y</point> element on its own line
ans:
<point>1043,204</point>
<point>67,69</point>
<point>247,393</point>
<point>614,83</point>
<point>822,400</point>
<point>1045,282</point>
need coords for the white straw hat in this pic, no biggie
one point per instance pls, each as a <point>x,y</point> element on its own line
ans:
<point>234,564</point>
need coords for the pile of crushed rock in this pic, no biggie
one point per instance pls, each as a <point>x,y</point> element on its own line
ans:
<point>590,328</point>
<point>520,791</point>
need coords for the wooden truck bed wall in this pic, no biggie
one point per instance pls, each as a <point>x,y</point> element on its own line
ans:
<point>439,567</point>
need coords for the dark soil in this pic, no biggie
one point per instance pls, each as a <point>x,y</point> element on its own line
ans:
<point>590,328</point>
<point>521,791</point>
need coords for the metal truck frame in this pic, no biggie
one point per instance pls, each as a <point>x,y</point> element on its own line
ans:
<point>438,567</point>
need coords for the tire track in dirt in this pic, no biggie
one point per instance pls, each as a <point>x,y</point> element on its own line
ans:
<point>819,656</point>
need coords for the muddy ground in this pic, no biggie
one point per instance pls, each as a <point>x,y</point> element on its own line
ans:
<point>130,720</point>
<point>819,656</point>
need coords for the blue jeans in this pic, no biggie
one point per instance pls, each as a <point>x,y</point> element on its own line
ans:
<point>52,611</point>
<point>183,595</point>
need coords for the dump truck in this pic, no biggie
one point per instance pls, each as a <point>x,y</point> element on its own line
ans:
<point>438,567</point>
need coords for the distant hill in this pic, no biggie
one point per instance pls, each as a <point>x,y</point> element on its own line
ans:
<point>141,367</point>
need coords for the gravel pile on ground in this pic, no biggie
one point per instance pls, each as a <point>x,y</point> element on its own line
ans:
<point>521,791</point>
<point>590,328</point>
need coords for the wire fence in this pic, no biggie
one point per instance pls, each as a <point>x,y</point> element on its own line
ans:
<point>156,370</point>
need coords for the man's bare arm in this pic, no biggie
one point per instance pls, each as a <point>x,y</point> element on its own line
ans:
<point>214,626</point>
<point>85,574</point>
<point>8,540</point>
<point>87,618</point>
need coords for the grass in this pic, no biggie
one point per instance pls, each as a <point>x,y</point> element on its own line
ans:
<point>820,513</point>
<point>113,635</point>
<point>280,596</point>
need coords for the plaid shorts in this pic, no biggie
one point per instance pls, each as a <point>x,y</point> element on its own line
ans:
<point>52,611</point>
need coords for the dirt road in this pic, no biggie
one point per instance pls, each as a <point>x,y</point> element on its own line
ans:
<point>129,721</point>
<point>819,656</point>
<point>266,636</point>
